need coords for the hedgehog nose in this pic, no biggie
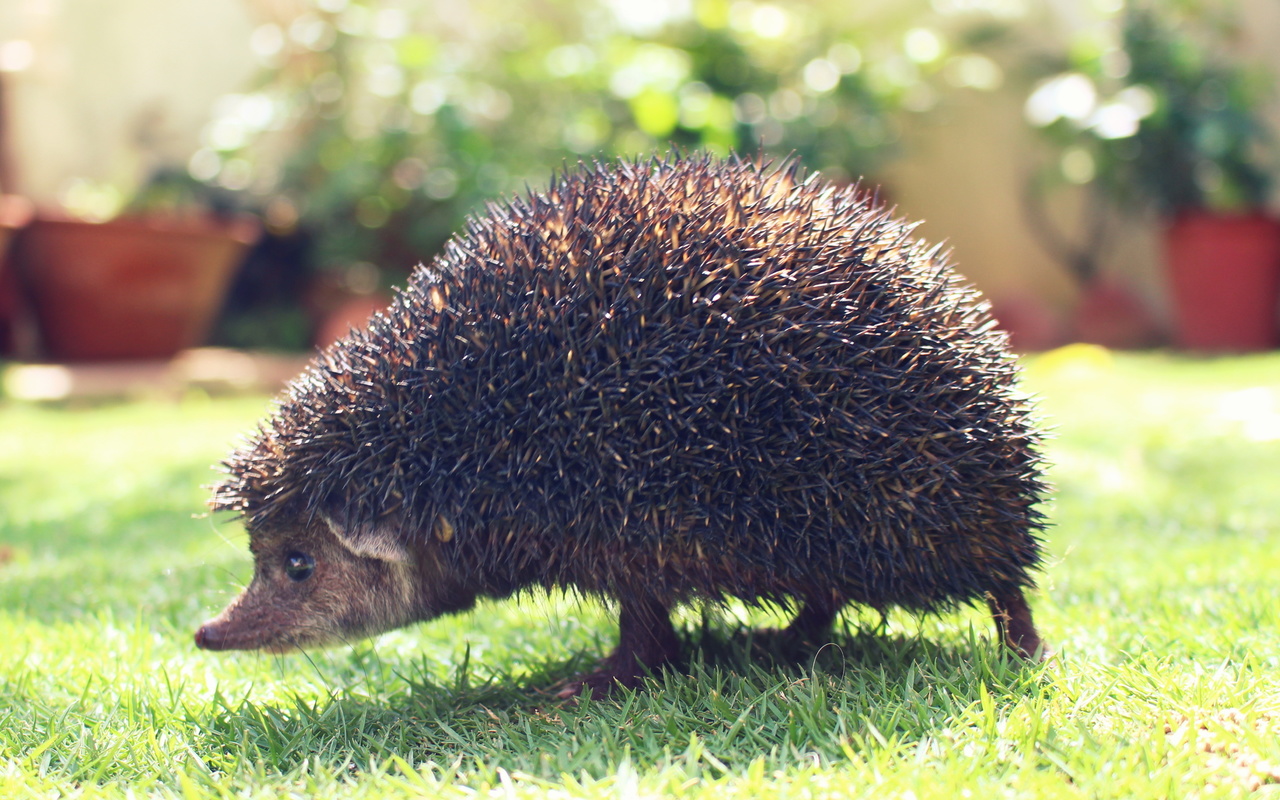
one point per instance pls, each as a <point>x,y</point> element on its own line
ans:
<point>208,637</point>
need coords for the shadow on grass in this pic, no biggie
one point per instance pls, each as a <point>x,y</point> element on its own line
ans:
<point>731,701</point>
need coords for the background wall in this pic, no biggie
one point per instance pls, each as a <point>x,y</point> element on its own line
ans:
<point>112,90</point>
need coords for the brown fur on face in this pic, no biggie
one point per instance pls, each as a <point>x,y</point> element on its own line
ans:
<point>348,596</point>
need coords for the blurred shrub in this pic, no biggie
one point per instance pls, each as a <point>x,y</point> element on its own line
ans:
<point>1154,110</point>
<point>378,125</point>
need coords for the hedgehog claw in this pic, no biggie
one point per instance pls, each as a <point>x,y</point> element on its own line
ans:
<point>602,682</point>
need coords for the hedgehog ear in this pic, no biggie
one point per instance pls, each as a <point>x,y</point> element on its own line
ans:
<point>380,539</point>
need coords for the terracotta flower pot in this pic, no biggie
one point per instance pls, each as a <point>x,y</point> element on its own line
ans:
<point>1224,274</point>
<point>1031,324</point>
<point>131,288</point>
<point>1111,315</point>
<point>15,213</point>
<point>353,312</point>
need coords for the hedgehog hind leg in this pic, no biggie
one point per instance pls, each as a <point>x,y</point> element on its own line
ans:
<point>647,642</point>
<point>812,623</point>
<point>1014,624</point>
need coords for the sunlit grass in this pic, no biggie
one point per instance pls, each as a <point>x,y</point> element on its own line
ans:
<point>1160,598</point>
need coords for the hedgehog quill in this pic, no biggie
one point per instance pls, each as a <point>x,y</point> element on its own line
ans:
<point>665,382</point>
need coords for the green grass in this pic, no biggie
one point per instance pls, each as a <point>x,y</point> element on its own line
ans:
<point>1160,596</point>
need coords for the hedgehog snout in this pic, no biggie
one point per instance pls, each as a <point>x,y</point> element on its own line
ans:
<point>209,637</point>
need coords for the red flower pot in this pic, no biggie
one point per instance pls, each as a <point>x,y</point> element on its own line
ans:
<point>1224,273</point>
<point>1112,316</point>
<point>353,312</point>
<point>128,288</point>
<point>15,212</point>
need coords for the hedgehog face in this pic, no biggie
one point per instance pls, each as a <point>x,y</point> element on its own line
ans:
<point>311,588</point>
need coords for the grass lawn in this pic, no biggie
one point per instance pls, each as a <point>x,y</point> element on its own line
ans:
<point>1161,597</point>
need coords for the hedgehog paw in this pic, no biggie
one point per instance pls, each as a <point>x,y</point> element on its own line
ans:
<point>646,643</point>
<point>602,682</point>
<point>621,670</point>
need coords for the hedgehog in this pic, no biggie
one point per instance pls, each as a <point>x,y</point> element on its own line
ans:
<point>677,381</point>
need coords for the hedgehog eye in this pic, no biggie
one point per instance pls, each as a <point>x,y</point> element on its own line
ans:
<point>299,566</point>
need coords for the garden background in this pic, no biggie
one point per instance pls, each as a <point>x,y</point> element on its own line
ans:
<point>329,145</point>
<point>363,132</point>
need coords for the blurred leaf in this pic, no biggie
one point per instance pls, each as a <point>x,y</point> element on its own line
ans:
<point>655,112</point>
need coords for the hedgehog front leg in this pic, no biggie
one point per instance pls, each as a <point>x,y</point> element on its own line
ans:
<point>1013,622</point>
<point>646,643</point>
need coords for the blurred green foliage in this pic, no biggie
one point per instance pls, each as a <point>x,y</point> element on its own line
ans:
<point>380,125</point>
<point>1155,110</point>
